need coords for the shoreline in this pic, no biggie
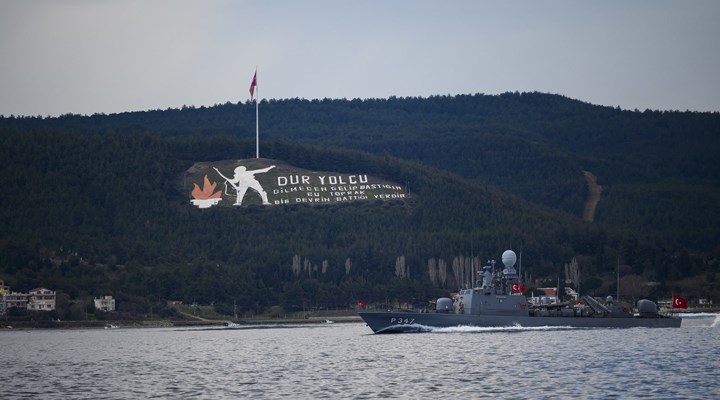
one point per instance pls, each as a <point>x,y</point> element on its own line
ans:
<point>202,322</point>
<point>166,323</point>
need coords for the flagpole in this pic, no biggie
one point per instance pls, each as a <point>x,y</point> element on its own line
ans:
<point>257,120</point>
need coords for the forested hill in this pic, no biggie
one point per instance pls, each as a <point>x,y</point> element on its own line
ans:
<point>97,205</point>
<point>658,170</point>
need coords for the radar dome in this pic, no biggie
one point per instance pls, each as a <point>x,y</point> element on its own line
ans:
<point>647,307</point>
<point>444,304</point>
<point>509,258</point>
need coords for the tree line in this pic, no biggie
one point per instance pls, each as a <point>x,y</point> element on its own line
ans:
<point>96,205</point>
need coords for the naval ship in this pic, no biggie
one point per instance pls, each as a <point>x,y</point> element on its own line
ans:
<point>497,300</point>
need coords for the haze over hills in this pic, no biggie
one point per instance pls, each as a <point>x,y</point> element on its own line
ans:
<point>484,173</point>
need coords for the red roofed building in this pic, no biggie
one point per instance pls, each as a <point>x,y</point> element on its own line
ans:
<point>547,296</point>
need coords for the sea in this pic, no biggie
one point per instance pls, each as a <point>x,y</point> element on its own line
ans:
<point>348,361</point>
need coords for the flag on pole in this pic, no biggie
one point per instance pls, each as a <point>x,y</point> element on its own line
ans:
<point>253,89</point>
<point>679,302</point>
<point>252,86</point>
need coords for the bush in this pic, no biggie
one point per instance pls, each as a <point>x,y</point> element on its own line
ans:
<point>276,312</point>
<point>168,312</point>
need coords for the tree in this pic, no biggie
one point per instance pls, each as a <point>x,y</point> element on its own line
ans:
<point>433,271</point>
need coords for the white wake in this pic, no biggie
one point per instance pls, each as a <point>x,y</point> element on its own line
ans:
<point>471,329</point>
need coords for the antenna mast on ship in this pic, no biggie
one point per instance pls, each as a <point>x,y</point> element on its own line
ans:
<point>472,268</point>
<point>520,279</point>
<point>617,295</point>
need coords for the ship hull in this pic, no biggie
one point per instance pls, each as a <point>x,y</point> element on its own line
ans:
<point>394,322</point>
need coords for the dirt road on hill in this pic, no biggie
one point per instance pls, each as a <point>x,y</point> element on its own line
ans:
<point>594,191</point>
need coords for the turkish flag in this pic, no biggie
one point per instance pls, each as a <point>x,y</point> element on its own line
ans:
<point>515,288</point>
<point>679,302</point>
<point>252,85</point>
<point>522,288</point>
<point>361,304</point>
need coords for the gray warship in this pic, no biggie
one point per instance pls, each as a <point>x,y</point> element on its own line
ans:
<point>495,300</point>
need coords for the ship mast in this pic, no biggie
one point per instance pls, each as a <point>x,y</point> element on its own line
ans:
<point>617,295</point>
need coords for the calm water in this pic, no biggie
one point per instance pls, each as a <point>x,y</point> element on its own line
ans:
<point>347,361</point>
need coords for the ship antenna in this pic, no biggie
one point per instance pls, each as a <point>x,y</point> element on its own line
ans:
<point>492,262</point>
<point>520,279</point>
<point>472,267</point>
<point>617,295</point>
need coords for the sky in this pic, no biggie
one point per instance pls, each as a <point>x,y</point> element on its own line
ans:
<point>86,57</point>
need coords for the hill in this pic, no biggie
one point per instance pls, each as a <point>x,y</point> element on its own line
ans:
<point>657,169</point>
<point>96,205</point>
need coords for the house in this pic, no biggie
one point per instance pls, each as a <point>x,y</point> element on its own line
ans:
<point>105,303</point>
<point>15,300</point>
<point>570,293</point>
<point>41,299</point>
<point>548,296</point>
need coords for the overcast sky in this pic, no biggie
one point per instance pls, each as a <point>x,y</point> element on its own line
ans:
<point>86,57</point>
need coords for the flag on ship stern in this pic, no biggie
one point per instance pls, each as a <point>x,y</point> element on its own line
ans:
<point>679,302</point>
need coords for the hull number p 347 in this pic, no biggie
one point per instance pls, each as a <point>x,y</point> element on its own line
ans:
<point>399,321</point>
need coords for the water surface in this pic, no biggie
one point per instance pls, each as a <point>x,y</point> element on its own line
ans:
<point>348,361</point>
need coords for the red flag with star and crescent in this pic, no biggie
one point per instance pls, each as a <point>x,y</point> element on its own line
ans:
<point>679,302</point>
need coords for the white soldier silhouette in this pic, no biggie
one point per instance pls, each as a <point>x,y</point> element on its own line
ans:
<point>244,180</point>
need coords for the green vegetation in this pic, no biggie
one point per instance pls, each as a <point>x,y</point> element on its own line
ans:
<point>97,205</point>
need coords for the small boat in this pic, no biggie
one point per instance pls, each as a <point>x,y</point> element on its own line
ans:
<point>111,326</point>
<point>497,300</point>
<point>327,321</point>
<point>230,324</point>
